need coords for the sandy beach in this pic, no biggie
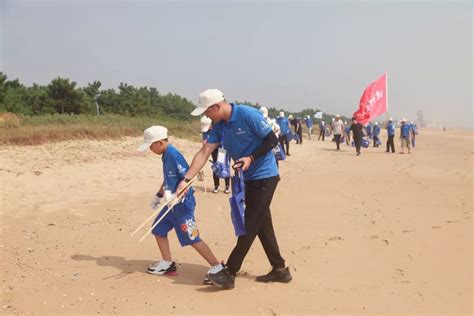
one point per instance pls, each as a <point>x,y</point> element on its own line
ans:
<point>376,234</point>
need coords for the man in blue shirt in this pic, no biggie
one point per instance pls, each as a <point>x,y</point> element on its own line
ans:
<point>309,125</point>
<point>284,124</point>
<point>181,218</point>
<point>249,139</point>
<point>391,136</point>
<point>405,136</point>
<point>376,133</point>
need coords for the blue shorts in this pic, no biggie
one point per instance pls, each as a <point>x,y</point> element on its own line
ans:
<point>181,218</point>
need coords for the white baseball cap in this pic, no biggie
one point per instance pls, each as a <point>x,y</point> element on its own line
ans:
<point>390,119</point>
<point>206,99</point>
<point>151,135</point>
<point>404,120</point>
<point>205,124</point>
<point>338,116</point>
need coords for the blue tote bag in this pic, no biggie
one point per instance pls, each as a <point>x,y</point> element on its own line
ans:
<point>237,204</point>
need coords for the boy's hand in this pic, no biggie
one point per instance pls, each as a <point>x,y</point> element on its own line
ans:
<point>181,185</point>
<point>155,202</point>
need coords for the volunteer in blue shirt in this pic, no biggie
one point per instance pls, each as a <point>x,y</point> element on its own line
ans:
<point>391,136</point>
<point>322,130</point>
<point>376,133</point>
<point>181,218</point>
<point>405,136</point>
<point>368,130</point>
<point>284,124</point>
<point>249,139</point>
<point>309,125</point>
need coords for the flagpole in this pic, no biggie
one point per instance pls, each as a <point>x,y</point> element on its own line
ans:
<point>386,91</point>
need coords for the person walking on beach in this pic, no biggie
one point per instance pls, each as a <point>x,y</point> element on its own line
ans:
<point>337,129</point>
<point>309,125</point>
<point>284,124</point>
<point>322,130</point>
<point>405,130</point>
<point>181,218</point>
<point>391,136</point>
<point>249,139</point>
<point>299,130</point>
<point>376,133</point>
<point>357,130</point>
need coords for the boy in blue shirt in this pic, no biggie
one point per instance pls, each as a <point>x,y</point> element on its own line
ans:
<point>181,217</point>
<point>249,140</point>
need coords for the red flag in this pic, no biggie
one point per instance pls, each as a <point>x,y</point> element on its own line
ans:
<point>373,101</point>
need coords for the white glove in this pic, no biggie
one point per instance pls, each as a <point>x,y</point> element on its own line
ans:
<point>155,202</point>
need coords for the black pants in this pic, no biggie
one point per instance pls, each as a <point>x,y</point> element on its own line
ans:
<point>321,133</point>
<point>284,140</point>
<point>258,222</point>
<point>390,143</point>
<point>216,178</point>
<point>338,139</point>
<point>358,143</point>
<point>300,134</point>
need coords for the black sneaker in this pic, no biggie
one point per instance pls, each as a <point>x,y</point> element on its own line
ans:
<point>222,279</point>
<point>207,281</point>
<point>276,275</point>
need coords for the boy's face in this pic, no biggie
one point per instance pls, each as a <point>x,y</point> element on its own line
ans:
<point>158,147</point>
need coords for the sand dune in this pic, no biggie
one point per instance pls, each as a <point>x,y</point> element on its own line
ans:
<point>375,234</point>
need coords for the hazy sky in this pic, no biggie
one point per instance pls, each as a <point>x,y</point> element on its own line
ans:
<point>286,54</point>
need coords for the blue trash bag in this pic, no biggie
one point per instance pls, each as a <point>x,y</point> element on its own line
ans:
<point>279,152</point>
<point>222,170</point>
<point>378,142</point>
<point>365,143</point>
<point>237,204</point>
<point>343,139</point>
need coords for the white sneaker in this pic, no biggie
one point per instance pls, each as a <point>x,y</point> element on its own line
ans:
<point>162,267</point>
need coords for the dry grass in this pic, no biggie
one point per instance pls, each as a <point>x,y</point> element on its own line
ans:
<point>15,130</point>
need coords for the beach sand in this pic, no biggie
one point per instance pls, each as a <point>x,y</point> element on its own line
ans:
<point>375,234</point>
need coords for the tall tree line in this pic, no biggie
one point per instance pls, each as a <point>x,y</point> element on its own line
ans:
<point>63,96</point>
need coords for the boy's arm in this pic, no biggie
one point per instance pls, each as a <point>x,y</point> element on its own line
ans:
<point>160,192</point>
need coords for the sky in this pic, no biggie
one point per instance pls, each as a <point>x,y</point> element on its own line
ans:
<point>284,54</point>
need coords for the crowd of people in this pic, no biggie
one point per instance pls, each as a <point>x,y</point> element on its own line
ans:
<point>255,142</point>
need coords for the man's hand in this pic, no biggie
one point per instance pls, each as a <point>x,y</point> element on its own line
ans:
<point>181,185</point>
<point>247,161</point>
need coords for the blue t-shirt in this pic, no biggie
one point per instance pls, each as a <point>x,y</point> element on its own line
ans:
<point>241,136</point>
<point>174,169</point>
<point>405,130</point>
<point>309,123</point>
<point>368,128</point>
<point>390,129</point>
<point>284,125</point>
<point>376,130</point>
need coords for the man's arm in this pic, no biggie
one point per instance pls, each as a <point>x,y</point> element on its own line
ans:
<point>269,142</point>
<point>200,159</point>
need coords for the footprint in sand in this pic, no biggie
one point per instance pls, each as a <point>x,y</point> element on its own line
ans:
<point>436,227</point>
<point>335,238</point>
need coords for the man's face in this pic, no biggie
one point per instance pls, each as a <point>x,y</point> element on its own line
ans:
<point>214,112</point>
<point>337,119</point>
